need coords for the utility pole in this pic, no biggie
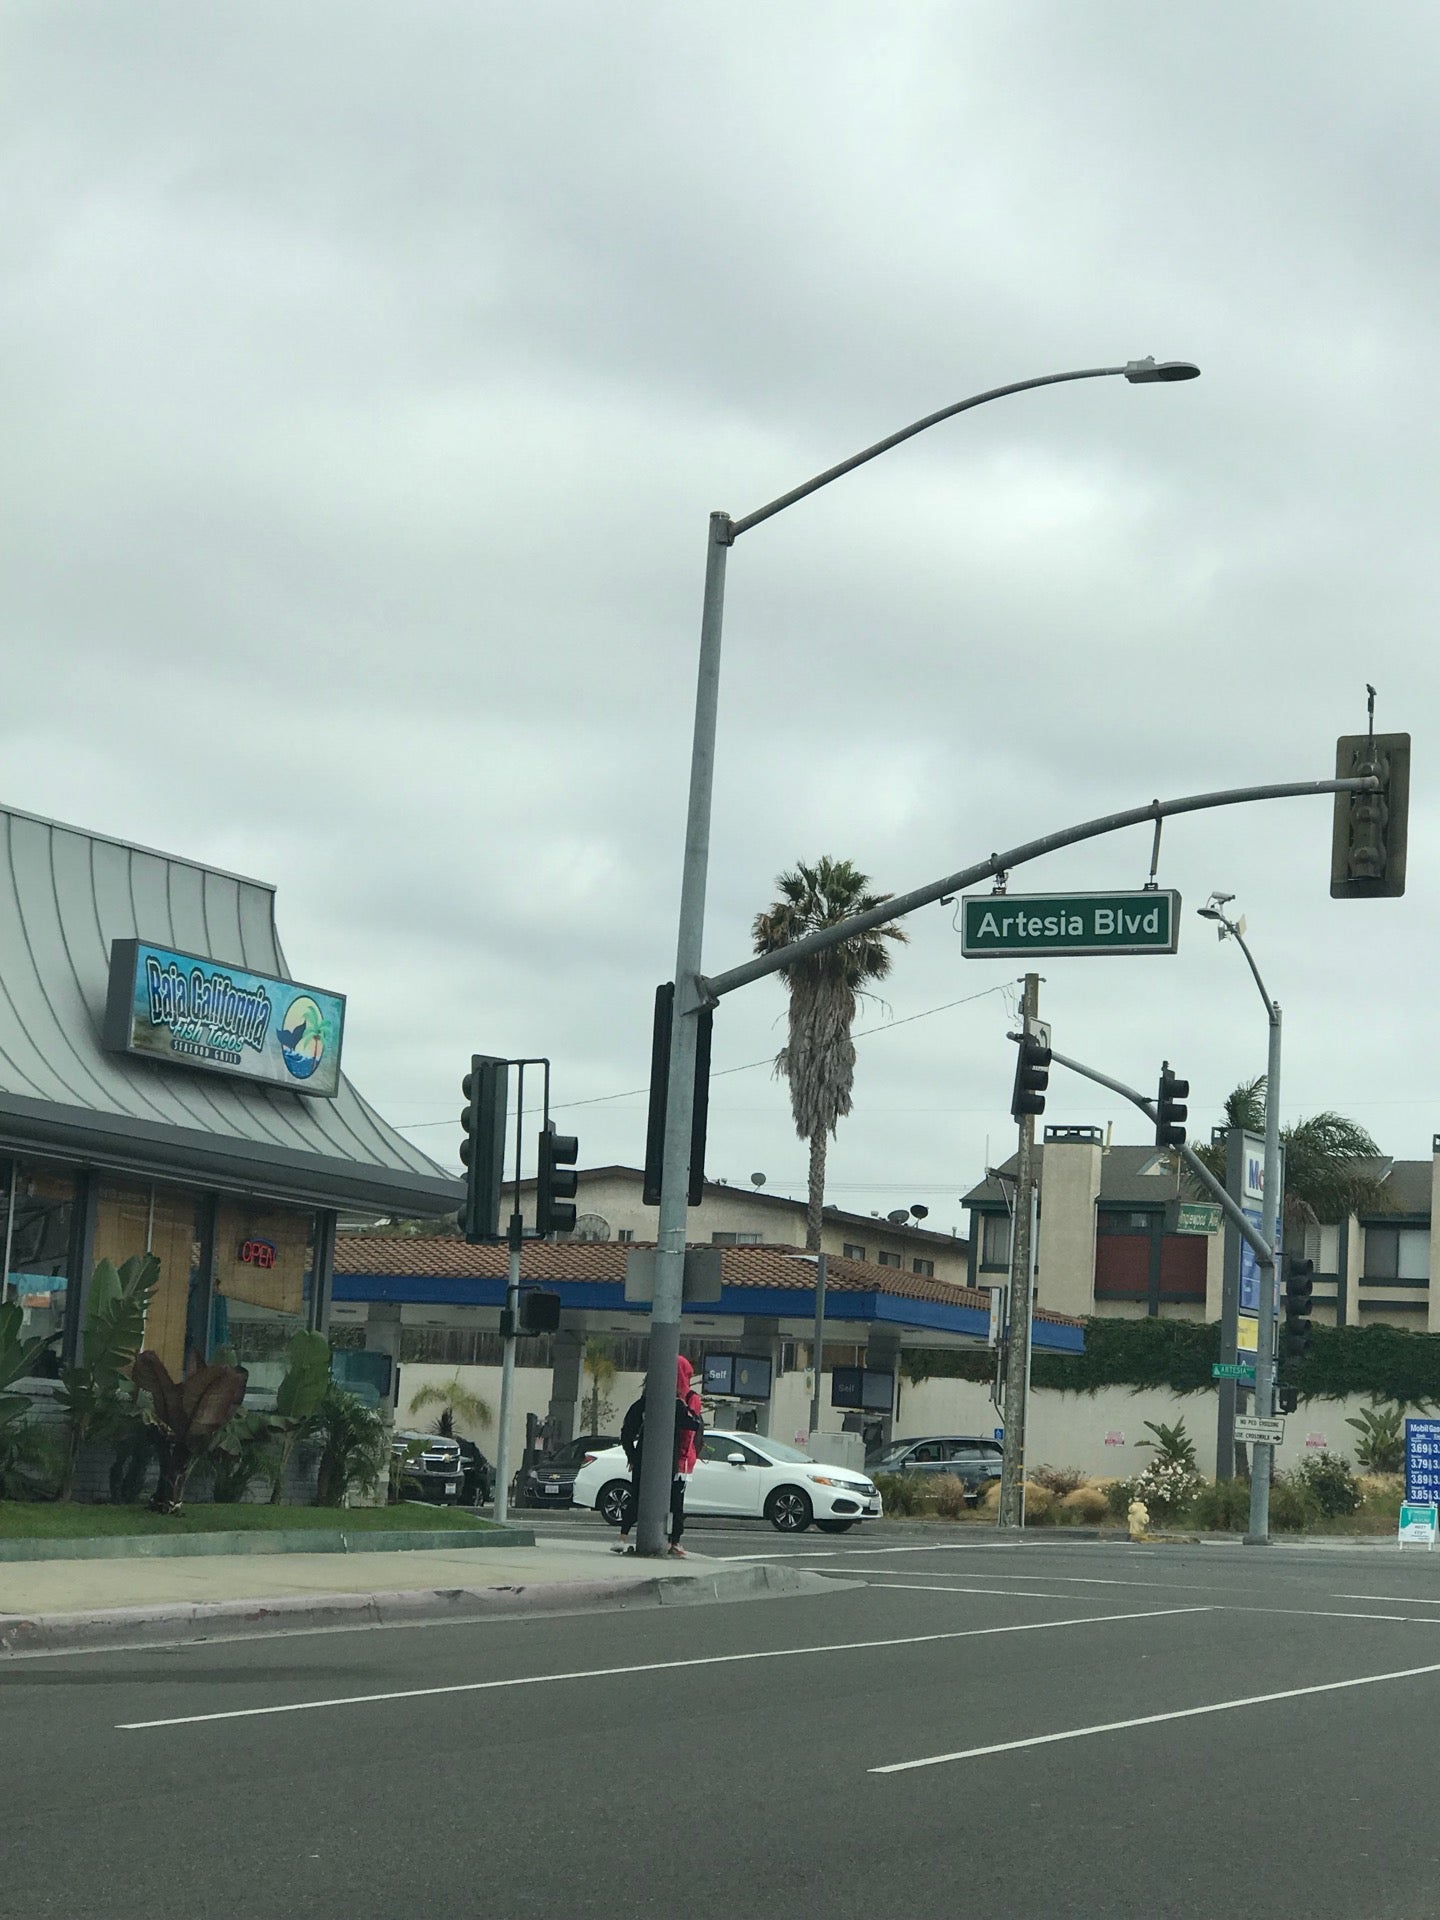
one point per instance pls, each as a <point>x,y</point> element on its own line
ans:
<point>1017,1352</point>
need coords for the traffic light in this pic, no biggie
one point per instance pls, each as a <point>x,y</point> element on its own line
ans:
<point>1170,1108</point>
<point>539,1312</point>
<point>659,1088</point>
<point>1032,1076</point>
<point>1287,1400</point>
<point>1367,849</point>
<point>556,1182</point>
<point>483,1147</point>
<point>1295,1335</point>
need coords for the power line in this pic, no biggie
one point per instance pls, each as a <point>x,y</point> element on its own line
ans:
<point>631,1093</point>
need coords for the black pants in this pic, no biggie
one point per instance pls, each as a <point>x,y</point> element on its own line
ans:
<point>677,1507</point>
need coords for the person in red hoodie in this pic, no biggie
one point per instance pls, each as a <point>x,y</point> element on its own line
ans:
<point>689,1429</point>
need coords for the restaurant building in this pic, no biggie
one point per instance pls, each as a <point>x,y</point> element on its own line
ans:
<point>166,1087</point>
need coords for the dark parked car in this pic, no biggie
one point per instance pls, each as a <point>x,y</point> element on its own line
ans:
<point>435,1470</point>
<point>969,1458</point>
<point>549,1482</point>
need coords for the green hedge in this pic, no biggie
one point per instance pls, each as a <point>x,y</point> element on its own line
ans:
<point>1387,1363</point>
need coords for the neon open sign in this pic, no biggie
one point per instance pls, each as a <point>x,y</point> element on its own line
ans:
<point>257,1253</point>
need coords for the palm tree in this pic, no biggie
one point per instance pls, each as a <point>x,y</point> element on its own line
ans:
<point>453,1398</point>
<point>1329,1160</point>
<point>819,1057</point>
<point>600,1370</point>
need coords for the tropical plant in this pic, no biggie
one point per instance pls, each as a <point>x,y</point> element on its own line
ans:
<point>297,1401</point>
<point>818,1058</point>
<point>1381,1446</point>
<point>22,1450</point>
<point>91,1388</point>
<point>1330,1162</point>
<point>354,1447</point>
<point>1167,1485</point>
<point>243,1449</point>
<point>137,1447</point>
<point>455,1400</point>
<point>1172,1445</point>
<point>600,1370</point>
<point>187,1414</point>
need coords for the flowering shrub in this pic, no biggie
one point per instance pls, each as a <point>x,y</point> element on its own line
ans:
<point>1167,1486</point>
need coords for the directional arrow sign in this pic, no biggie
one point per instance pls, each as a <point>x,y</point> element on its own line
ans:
<point>1001,925</point>
<point>1251,1426</point>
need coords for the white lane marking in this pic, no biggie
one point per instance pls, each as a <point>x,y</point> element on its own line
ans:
<point>652,1666</point>
<point>1394,1599</point>
<point>1156,1719</point>
<point>882,1582</point>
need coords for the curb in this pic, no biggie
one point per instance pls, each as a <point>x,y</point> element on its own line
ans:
<point>124,1628</point>
<point>151,1546</point>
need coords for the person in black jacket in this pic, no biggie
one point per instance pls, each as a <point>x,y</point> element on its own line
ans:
<point>689,1428</point>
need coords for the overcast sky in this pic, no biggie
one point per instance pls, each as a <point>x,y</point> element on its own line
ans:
<point>369,374</point>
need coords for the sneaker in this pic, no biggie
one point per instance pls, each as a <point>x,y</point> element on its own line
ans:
<point>677,1552</point>
<point>622,1549</point>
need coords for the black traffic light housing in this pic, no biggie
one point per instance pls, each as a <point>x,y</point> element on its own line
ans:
<point>1295,1335</point>
<point>539,1311</point>
<point>482,1147</point>
<point>556,1182</point>
<point>1367,850</point>
<point>1287,1400</point>
<point>1170,1109</point>
<point>1032,1076</point>
<point>659,1089</point>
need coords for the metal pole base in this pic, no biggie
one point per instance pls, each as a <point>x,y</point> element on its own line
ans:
<point>1257,1540</point>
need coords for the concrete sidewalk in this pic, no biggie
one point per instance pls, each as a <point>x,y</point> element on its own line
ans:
<point>59,1606</point>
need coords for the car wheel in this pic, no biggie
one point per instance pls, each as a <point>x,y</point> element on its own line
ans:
<point>789,1510</point>
<point>613,1501</point>
<point>834,1526</point>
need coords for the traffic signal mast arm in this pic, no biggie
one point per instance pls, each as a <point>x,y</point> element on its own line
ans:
<point>703,991</point>
<point>1241,1221</point>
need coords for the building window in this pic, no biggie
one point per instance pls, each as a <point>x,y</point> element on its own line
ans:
<point>925,1267</point>
<point>854,1252</point>
<point>891,1259</point>
<point>625,1236</point>
<point>735,1240</point>
<point>1109,1221</point>
<point>995,1241</point>
<point>1397,1253</point>
<point>40,1202</point>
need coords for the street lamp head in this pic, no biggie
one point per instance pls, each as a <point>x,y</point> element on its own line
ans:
<point>1209,913</point>
<point>1146,371</point>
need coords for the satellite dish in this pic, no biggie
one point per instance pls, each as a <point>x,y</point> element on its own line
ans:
<point>920,1213</point>
<point>757,1179</point>
<point>591,1226</point>
<point>901,1216</point>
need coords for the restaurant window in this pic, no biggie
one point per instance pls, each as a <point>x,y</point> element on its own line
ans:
<point>133,1219</point>
<point>264,1284</point>
<point>39,1210</point>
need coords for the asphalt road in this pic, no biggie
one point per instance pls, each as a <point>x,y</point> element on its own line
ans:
<point>957,1728</point>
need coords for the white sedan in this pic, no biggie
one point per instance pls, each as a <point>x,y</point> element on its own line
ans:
<point>742,1475</point>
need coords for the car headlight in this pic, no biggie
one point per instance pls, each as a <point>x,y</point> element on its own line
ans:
<point>842,1486</point>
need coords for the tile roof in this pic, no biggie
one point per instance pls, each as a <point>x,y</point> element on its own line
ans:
<point>426,1257</point>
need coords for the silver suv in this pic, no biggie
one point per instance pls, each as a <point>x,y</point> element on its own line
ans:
<point>966,1455</point>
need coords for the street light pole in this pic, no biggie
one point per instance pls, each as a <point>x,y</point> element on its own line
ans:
<point>1262,1453</point>
<point>666,1307</point>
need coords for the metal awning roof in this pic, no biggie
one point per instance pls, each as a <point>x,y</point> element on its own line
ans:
<point>65,895</point>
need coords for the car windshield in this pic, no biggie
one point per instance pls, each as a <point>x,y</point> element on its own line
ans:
<point>777,1449</point>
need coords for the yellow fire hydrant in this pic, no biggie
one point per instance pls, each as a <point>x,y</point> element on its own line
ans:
<point>1139,1519</point>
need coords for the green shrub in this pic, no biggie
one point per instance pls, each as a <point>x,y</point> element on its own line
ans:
<point>1084,1506</point>
<point>1222,1507</point>
<point>950,1496</point>
<point>907,1493</point>
<point>1118,1495</point>
<point>1167,1486</point>
<point>1381,1446</point>
<point>1172,1445</point>
<point>1293,1507</point>
<point>1330,1483</point>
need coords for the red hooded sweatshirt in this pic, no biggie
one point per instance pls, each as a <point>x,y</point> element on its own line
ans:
<point>687,1451</point>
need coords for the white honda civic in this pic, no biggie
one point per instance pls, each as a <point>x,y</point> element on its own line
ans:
<point>742,1475</point>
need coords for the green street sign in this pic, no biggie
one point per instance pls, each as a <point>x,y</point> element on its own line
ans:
<point>1198,1216</point>
<point>1001,925</point>
<point>1231,1370</point>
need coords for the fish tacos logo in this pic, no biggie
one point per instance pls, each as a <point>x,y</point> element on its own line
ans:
<point>208,1016</point>
<point>302,1036</point>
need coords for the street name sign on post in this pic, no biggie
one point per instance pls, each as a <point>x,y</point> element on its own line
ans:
<point>1198,1216</point>
<point>1008,925</point>
<point>1231,1370</point>
<point>1254,1426</point>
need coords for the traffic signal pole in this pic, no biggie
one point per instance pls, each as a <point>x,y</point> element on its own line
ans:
<point>1262,1454</point>
<point>1022,1288</point>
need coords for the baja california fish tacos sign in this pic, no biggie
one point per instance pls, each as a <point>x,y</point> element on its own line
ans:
<point>194,1012</point>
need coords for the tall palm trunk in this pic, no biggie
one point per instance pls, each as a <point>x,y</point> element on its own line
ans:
<point>814,1211</point>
